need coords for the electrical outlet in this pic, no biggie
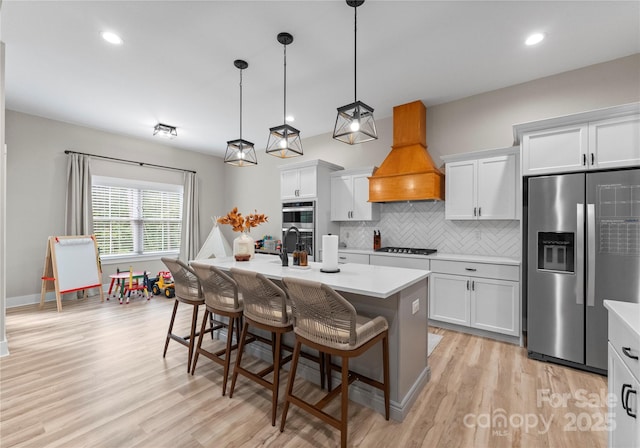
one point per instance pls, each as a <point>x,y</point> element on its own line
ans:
<point>415,306</point>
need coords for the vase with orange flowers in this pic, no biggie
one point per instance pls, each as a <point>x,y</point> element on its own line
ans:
<point>243,245</point>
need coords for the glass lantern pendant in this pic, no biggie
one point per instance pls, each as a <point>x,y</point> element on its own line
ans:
<point>240,152</point>
<point>284,140</point>
<point>355,122</point>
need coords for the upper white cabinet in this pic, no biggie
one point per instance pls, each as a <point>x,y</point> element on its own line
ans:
<point>615,142</point>
<point>482,185</point>
<point>555,150</point>
<point>302,180</point>
<point>350,196</point>
<point>601,139</point>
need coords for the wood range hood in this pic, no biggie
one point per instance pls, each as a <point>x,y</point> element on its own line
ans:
<point>408,173</point>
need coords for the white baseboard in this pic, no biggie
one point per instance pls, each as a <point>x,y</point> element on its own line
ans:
<point>34,299</point>
<point>4,348</point>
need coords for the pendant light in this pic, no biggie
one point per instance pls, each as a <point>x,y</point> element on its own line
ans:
<point>240,152</point>
<point>284,140</point>
<point>355,123</point>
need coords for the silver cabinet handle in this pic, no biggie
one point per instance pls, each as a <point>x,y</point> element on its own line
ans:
<point>474,211</point>
<point>593,159</point>
<point>479,211</point>
<point>591,255</point>
<point>584,159</point>
<point>579,254</point>
<point>470,269</point>
<point>473,285</point>
<point>467,285</point>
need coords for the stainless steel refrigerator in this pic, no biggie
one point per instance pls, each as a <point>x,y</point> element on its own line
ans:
<point>583,246</point>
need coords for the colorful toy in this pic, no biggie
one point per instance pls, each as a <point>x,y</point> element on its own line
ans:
<point>163,282</point>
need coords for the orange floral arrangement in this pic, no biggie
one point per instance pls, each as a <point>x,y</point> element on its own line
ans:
<point>241,223</point>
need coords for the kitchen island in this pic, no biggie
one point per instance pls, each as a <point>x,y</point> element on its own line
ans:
<point>398,294</point>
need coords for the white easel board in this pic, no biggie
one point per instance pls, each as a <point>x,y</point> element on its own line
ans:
<point>71,264</point>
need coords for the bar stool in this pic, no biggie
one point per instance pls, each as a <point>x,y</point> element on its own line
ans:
<point>265,307</point>
<point>326,321</point>
<point>188,291</point>
<point>221,298</point>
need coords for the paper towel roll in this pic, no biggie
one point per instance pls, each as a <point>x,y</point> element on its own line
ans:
<point>330,253</point>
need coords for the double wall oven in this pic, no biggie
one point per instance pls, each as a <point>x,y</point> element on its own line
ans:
<point>301,215</point>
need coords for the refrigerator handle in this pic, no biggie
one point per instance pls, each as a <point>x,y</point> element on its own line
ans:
<point>579,254</point>
<point>591,255</point>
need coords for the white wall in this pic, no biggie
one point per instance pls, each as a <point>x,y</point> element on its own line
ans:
<point>36,182</point>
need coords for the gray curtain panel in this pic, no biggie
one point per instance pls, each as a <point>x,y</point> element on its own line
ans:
<point>190,241</point>
<point>78,216</point>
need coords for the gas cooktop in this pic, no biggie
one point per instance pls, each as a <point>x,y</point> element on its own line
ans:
<point>406,250</point>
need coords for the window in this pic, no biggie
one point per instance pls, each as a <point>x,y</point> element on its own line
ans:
<point>135,217</point>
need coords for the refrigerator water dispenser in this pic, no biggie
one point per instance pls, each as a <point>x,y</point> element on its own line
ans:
<point>556,251</point>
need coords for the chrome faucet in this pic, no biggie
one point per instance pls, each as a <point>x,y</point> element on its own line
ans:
<point>283,252</point>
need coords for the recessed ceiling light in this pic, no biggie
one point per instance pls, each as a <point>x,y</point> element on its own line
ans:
<point>112,38</point>
<point>290,118</point>
<point>534,39</point>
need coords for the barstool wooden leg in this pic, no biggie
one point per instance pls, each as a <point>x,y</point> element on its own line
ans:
<point>238,358</point>
<point>345,402</point>
<point>385,364</point>
<point>227,355</point>
<point>202,331</point>
<point>192,336</point>
<point>173,318</point>
<point>292,376</point>
<point>276,377</point>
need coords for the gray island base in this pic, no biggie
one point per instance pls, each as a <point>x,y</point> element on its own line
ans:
<point>398,294</point>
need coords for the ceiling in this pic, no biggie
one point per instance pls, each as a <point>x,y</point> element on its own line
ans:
<point>176,63</point>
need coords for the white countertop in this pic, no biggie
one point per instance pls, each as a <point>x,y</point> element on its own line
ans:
<point>441,256</point>
<point>368,280</point>
<point>629,313</point>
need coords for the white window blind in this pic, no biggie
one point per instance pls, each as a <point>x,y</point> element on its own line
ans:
<point>136,219</point>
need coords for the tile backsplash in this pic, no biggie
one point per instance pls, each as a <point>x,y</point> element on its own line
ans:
<point>422,224</point>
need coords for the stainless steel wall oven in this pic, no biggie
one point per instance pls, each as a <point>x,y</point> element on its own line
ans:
<point>301,215</point>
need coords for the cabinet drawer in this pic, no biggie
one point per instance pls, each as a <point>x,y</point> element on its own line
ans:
<point>486,270</point>
<point>400,262</point>
<point>626,343</point>
<point>353,258</point>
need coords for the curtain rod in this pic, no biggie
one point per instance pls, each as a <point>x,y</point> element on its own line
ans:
<point>130,161</point>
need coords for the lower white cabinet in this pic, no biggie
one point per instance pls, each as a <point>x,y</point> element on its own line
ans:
<point>486,298</point>
<point>625,388</point>
<point>624,373</point>
<point>350,257</point>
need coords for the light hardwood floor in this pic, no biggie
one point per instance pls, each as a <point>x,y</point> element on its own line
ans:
<point>93,376</point>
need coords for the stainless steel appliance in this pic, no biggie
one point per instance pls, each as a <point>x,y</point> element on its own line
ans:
<point>583,246</point>
<point>406,250</point>
<point>300,215</point>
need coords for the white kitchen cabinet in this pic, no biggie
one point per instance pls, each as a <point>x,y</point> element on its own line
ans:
<point>350,257</point>
<point>449,299</point>
<point>484,296</point>
<point>555,150</point>
<point>305,180</point>
<point>601,139</point>
<point>482,188</point>
<point>350,196</point>
<point>615,143</point>
<point>299,183</point>
<point>624,373</point>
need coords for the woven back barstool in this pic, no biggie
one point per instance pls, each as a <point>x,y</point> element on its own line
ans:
<point>221,298</point>
<point>326,321</point>
<point>188,291</point>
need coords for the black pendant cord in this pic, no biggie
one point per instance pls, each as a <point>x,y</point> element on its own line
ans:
<point>355,54</point>
<point>285,85</point>
<point>130,161</point>
<point>240,109</point>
